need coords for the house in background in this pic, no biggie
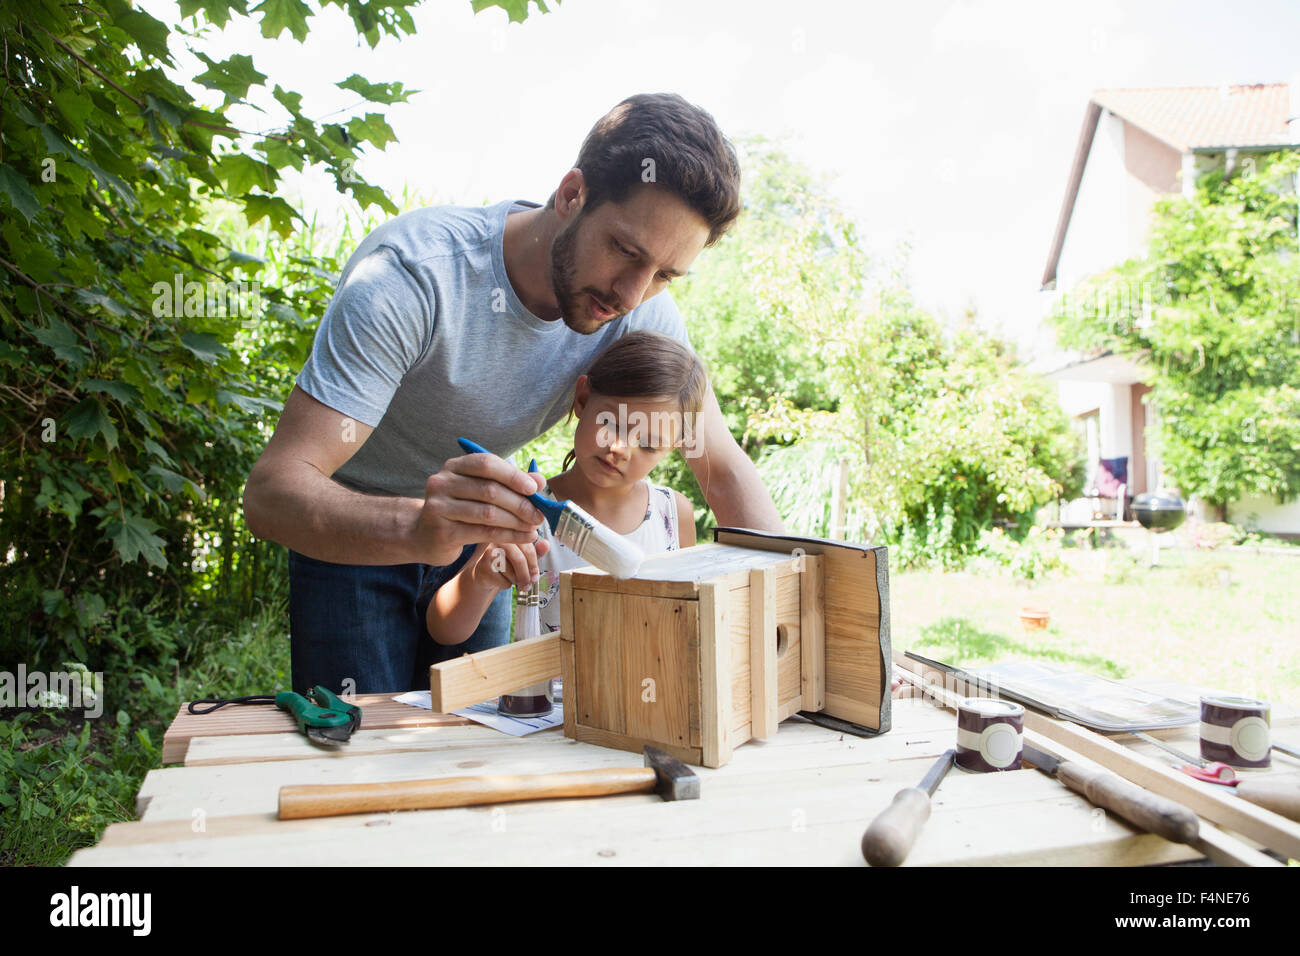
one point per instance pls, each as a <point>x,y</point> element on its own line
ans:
<point>1136,145</point>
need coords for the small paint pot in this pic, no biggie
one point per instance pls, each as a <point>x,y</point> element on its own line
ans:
<point>990,733</point>
<point>535,701</point>
<point>1235,731</point>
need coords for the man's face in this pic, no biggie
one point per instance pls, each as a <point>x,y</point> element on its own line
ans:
<point>607,261</point>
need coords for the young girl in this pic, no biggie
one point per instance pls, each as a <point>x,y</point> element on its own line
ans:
<point>636,403</point>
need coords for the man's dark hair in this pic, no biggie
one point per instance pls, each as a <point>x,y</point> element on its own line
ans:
<point>660,138</point>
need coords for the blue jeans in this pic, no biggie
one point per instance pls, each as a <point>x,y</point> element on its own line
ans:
<point>366,624</point>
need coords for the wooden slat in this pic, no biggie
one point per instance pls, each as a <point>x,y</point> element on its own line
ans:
<point>568,664</point>
<point>789,663</point>
<point>762,653</point>
<point>378,711</point>
<point>600,692</point>
<point>656,636</point>
<point>472,678</point>
<point>635,744</point>
<point>812,634</point>
<point>715,687</point>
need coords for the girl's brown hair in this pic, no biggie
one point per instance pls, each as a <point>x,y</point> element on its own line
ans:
<point>649,365</point>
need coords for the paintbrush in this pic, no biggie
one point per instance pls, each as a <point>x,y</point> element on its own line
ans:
<point>580,532</point>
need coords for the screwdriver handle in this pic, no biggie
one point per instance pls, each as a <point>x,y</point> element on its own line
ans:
<point>891,835</point>
<point>1146,811</point>
<point>1281,798</point>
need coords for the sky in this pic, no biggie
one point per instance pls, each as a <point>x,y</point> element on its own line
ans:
<point>945,126</point>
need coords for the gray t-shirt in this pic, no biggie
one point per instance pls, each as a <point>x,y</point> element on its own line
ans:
<point>426,340</point>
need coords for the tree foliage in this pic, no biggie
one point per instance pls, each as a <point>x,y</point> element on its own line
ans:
<point>142,352</point>
<point>1213,312</point>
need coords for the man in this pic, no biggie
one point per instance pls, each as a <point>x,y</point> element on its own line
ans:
<point>454,321</point>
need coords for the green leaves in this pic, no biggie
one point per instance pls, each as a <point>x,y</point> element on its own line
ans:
<point>89,419</point>
<point>280,213</point>
<point>15,189</point>
<point>517,10</point>
<point>133,538</point>
<point>281,15</point>
<point>376,92</point>
<point>204,346</point>
<point>232,77</point>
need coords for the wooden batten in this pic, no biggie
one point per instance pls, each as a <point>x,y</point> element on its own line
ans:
<point>855,622</point>
<point>762,652</point>
<point>568,668</point>
<point>715,683</point>
<point>472,678</point>
<point>812,635</point>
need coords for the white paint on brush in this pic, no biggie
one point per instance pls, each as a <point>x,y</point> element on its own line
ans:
<point>592,541</point>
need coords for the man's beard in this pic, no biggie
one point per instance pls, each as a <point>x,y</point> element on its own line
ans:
<point>564,271</point>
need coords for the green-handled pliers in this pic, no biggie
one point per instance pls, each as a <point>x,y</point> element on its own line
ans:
<point>321,715</point>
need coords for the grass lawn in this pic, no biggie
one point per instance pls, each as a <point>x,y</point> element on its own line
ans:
<point>1225,619</point>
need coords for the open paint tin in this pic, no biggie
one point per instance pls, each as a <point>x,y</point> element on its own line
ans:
<point>990,734</point>
<point>1235,730</point>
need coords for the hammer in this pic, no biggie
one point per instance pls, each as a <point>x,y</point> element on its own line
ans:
<point>662,774</point>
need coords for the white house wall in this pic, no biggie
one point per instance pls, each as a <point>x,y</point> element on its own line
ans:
<point>1099,234</point>
<point>1265,514</point>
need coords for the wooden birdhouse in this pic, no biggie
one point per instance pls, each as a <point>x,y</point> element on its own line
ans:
<point>707,647</point>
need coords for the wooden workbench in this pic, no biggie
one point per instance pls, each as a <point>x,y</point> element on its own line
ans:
<point>804,797</point>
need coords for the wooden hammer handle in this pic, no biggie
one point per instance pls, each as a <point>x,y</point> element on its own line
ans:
<point>890,837</point>
<point>329,800</point>
<point>1146,811</point>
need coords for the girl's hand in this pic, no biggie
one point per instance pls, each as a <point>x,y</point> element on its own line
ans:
<point>501,566</point>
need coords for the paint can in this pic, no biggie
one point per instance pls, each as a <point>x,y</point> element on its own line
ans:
<point>1235,730</point>
<point>990,733</point>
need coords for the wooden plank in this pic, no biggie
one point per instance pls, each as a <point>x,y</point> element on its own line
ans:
<point>789,657</point>
<point>598,648</point>
<point>472,678</point>
<point>812,634</point>
<point>1226,850</point>
<point>263,748</point>
<point>855,621</point>
<point>715,686</point>
<point>762,653</point>
<point>657,661</point>
<point>1230,812</point>
<point>568,665</point>
<point>739,664</point>
<point>378,711</point>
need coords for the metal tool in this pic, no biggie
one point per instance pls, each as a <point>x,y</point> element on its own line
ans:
<point>890,837</point>
<point>1146,811</point>
<point>1209,771</point>
<point>322,717</point>
<point>1287,749</point>
<point>663,774</point>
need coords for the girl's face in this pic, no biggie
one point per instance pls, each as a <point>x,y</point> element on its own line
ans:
<point>620,440</point>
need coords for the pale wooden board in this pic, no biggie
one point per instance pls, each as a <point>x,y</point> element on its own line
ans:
<point>378,711</point>
<point>789,669</point>
<point>473,678</point>
<point>715,689</point>
<point>763,702</point>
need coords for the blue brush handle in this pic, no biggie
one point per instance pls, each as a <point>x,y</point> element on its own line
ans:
<point>551,509</point>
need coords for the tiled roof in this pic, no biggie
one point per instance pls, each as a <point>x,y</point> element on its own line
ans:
<point>1207,117</point>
